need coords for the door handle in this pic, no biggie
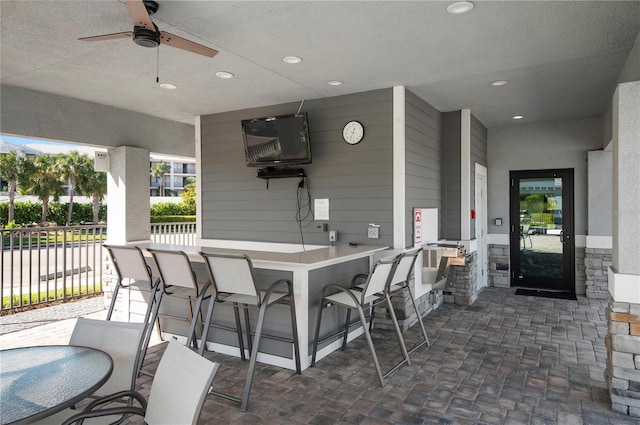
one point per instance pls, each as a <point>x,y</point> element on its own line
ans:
<point>564,236</point>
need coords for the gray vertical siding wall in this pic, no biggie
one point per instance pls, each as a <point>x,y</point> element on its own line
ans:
<point>356,179</point>
<point>478,156</point>
<point>423,175</point>
<point>450,222</point>
<point>451,183</point>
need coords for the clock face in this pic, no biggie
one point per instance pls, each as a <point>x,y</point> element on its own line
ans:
<point>353,132</point>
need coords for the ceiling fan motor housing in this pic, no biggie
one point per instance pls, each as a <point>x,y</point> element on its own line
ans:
<point>146,37</point>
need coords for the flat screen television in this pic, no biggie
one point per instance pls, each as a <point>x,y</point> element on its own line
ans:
<point>276,141</point>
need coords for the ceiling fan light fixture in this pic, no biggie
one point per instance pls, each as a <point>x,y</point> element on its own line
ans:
<point>168,86</point>
<point>459,7</point>
<point>292,59</point>
<point>499,83</point>
<point>145,37</point>
<point>517,117</point>
<point>334,83</point>
<point>224,75</point>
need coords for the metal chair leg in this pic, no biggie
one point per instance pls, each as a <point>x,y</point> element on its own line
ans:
<point>394,319</point>
<point>244,404</point>
<point>367,335</point>
<point>207,323</point>
<point>424,331</point>
<point>236,313</point>
<point>248,326</point>
<point>317,333</point>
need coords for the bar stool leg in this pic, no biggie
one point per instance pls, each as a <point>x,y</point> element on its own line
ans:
<point>236,313</point>
<point>317,332</point>
<point>424,331</point>
<point>244,405</point>
<point>207,323</point>
<point>394,319</point>
<point>367,335</point>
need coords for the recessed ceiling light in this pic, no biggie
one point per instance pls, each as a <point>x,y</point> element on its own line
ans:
<point>168,86</point>
<point>224,74</point>
<point>291,59</point>
<point>517,117</point>
<point>334,83</point>
<point>459,7</point>
<point>499,83</point>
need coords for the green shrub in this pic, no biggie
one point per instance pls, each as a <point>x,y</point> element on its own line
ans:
<point>173,219</point>
<point>30,212</point>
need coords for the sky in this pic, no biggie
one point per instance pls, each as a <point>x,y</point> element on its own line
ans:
<point>50,147</point>
<point>53,148</point>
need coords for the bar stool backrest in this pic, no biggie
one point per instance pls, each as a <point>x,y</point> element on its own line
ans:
<point>174,268</point>
<point>129,264</point>
<point>231,273</point>
<point>406,262</point>
<point>379,277</point>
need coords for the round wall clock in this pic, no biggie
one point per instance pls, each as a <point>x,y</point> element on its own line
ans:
<point>353,132</point>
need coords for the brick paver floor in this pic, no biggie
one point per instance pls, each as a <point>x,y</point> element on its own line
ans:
<point>507,359</point>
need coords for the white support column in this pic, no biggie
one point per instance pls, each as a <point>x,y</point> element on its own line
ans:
<point>128,214</point>
<point>399,168</point>
<point>198,179</point>
<point>465,175</point>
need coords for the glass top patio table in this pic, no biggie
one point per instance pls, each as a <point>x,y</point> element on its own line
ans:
<point>36,382</point>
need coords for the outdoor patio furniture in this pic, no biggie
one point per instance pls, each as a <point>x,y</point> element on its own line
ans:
<point>134,273</point>
<point>178,392</point>
<point>179,281</point>
<point>376,282</point>
<point>31,376</point>
<point>234,276</point>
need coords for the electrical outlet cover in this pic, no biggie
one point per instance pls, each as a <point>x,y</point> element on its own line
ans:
<point>373,232</point>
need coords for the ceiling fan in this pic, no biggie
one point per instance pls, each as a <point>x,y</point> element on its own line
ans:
<point>145,33</point>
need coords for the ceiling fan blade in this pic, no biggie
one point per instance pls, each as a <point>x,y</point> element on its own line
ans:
<point>139,15</point>
<point>113,36</point>
<point>184,44</point>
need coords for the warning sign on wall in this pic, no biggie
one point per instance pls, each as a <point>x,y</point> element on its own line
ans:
<point>417,227</point>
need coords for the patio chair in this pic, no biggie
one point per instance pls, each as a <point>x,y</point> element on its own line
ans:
<point>178,392</point>
<point>402,275</point>
<point>179,281</point>
<point>353,299</point>
<point>133,272</point>
<point>400,281</point>
<point>234,276</point>
<point>123,341</point>
<point>524,235</point>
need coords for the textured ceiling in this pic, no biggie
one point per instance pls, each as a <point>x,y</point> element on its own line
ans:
<point>561,59</point>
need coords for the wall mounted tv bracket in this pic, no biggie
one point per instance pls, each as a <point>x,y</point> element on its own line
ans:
<point>279,173</point>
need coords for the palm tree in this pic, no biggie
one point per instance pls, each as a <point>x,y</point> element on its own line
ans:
<point>10,169</point>
<point>94,184</point>
<point>42,180</point>
<point>72,166</point>
<point>158,172</point>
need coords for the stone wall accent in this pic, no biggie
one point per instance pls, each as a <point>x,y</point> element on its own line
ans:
<point>462,283</point>
<point>109,278</point>
<point>404,309</point>
<point>622,372</point>
<point>499,266</point>
<point>597,263</point>
<point>580,271</point>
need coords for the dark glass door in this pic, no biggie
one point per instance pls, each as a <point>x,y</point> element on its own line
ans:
<point>542,233</point>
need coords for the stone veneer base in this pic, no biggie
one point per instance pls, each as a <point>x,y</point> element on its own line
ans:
<point>622,372</point>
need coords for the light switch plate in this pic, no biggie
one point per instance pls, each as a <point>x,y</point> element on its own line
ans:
<point>373,232</point>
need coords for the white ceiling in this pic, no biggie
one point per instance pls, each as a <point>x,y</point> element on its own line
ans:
<point>561,58</point>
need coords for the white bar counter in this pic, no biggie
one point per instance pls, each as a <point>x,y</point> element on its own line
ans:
<point>310,271</point>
